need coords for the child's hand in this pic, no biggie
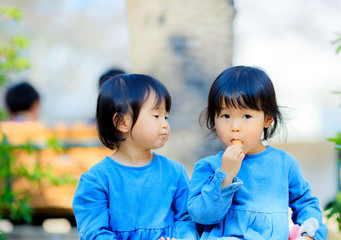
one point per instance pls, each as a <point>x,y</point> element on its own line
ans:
<point>231,162</point>
<point>162,238</point>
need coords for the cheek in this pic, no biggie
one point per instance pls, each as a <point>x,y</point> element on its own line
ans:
<point>222,135</point>
<point>255,132</point>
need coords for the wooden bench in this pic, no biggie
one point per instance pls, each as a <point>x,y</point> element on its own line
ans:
<point>82,150</point>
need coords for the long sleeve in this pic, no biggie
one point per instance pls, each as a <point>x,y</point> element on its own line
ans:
<point>185,227</point>
<point>208,203</point>
<point>90,206</point>
<point>302,203</point>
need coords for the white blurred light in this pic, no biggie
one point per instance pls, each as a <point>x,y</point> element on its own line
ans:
<point>6,226</point>
<point>57,225</point>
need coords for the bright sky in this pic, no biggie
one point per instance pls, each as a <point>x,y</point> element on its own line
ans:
<point>291,41</point>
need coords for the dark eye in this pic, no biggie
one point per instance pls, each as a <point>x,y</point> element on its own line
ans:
<point>156,116</point>
<point>225,116</point>
<point>166,118</point>
<point>247,116</point>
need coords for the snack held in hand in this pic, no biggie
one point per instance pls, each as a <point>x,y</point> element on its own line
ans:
<point>236,141</point>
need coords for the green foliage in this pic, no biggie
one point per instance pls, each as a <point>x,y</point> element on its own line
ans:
<point>338,42</point>
<point>337,138</point>
<point>16,205</point>
<point>337,141</point>
<point>2,235</point>
<point>11,13</point>
<point>334,208</point>
<point>11,52</point>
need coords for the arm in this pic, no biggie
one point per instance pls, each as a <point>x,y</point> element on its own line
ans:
<point>185,227</point>
<point>90,206</point>
<point>302,203</point>
<point>207,202</point>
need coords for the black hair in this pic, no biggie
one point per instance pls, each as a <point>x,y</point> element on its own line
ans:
<point>108,74</point>
<point>20,97</point>
<point>124,94</point>
<point>245,87</point>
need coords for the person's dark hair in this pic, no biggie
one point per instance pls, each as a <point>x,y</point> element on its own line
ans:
<point>246,87</point>
<point>20,97</point>
<point>108,74</point>
<point>124,94</point>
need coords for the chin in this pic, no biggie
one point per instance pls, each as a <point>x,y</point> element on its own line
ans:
<point>159,146</point>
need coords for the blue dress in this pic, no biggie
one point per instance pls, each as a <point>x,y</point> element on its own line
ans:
<point>255,205</point>
<point>113,201</point>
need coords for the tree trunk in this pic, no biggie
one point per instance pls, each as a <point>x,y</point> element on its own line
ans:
<point>184,44</point>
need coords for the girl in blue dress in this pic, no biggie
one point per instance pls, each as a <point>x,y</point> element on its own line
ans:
<point>134,193</point>
<point>244,192</point>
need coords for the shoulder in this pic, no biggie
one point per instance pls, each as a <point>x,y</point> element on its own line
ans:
<point>168,163</point>
<point>100,166</point>
<point>279,153</point>
<point>98,172</point>
<point>212,162</point>
<point>284,159</point>
<point>176,172</point>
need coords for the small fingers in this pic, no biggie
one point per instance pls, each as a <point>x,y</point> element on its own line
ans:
<point>234,151</point>
<point>241,156</point>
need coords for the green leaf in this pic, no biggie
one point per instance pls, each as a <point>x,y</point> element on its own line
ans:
<point>11,13</point>
<point>338,49</point>
<point>336,140</point>
<point>20,41</point>
<point>55,144</point>
<point>21,63</point>
<point>3,115</point>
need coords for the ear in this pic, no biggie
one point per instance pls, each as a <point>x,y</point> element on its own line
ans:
<point>35,110</point>
<point>122,123</point>
<point>268,120</point>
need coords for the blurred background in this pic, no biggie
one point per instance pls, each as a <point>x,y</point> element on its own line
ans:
<point>186,44</point>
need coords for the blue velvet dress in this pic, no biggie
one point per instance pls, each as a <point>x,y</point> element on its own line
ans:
<point>255,206</point>
<point>113,201</point>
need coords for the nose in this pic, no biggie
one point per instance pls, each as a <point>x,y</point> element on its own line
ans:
<point>235,127</point>
<point>165,124</point>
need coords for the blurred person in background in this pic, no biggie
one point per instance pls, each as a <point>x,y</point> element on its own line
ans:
<point>22,102</point>
<point>109,74</point>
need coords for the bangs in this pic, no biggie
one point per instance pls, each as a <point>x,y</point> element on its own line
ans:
<point>238,99</point>
<point>161,94</point>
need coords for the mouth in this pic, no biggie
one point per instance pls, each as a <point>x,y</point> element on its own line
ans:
<point>236,141</point>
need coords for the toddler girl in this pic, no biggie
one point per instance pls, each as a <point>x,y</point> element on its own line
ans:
<point>134,193</point>
<point>244,192</point>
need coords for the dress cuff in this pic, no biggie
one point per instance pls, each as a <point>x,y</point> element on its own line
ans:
<point>218,179</point>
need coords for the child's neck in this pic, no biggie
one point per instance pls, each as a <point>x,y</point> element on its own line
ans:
<point>132,157</point>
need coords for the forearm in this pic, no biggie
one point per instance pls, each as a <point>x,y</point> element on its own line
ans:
<point>211,203</point>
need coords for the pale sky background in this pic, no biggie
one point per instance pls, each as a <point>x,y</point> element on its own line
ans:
<point>291,41</point>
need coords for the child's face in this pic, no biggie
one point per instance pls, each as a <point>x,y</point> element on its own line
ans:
<point>151,129</point>
<point>242,124</point>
